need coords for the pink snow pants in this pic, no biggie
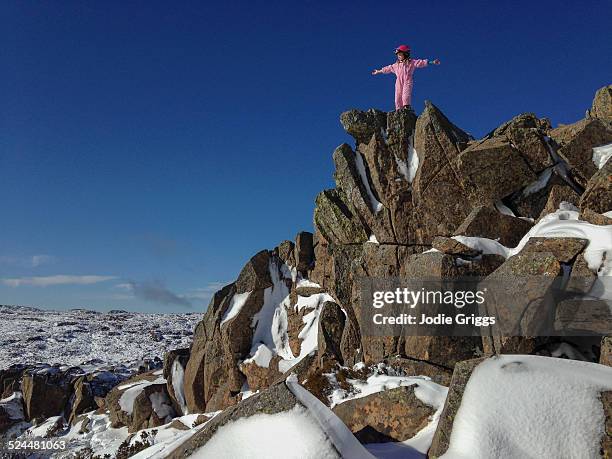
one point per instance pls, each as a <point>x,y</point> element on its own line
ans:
<point>403,83</point>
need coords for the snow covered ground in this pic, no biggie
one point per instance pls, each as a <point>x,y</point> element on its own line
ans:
<point>102,439</point>
<point>90,339</point>
<point>290,434</point>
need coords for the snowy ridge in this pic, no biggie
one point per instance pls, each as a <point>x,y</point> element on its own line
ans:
<point>89,339</point>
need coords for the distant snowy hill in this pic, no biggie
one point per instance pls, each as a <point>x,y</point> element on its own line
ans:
<point>90,339</point>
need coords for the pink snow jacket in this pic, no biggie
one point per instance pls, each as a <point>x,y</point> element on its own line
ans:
<point>404,70</point>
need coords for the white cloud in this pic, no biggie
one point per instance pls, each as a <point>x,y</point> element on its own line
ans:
<point>124,286</point>
<point>60,279</point>
<point>32,261</point>
<point>38,260</point>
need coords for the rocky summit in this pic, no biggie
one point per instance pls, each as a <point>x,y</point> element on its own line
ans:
<point>414,196</point>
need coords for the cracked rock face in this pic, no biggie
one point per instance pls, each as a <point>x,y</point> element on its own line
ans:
<point>407,184</point>
<point>598,193</point>
<point>576,142</point>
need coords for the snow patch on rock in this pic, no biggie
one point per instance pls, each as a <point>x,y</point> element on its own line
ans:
<point>549,408</point>
<point>178,374</point>
<point>235,306</point>
<point>540,183</point>
<point>161,405</point>
<point>601,155</point>
<point>126,401</point>
<point>341,437</point>
<point>289,434</point>
<point>561,223</point>
<point>374,203</point>
<point>262,356</point>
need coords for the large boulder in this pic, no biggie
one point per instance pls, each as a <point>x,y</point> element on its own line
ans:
<point>141,402</point>
<point>444,351</point>
<point>557,195</point>
<point>461,376</point>
<point>83,398</point>
<point>527,134</point>
<point>46,392</point>
<point>575,144</point>
<point>304,251</point>
<point>602,104</point>
<point>351,176</point>
<point>564,249</point>
<point>362,125</point>
<point>207,370</point>
<point>11,412</point>
<point>335,221</point>
<point>246,340</point>
<point>392,415</point>
<point>10,379</point>
<point>486,221</point>
<point>492,169</point>
<point>598,193</point>
<point>276,399</point>
<point>255,274</point>
<point>439,197</point>
<point>533,273</point>
<point>524,411</point>
<point>331,328</point>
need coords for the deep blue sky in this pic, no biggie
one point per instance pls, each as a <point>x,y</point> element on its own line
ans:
<point>161,144</point>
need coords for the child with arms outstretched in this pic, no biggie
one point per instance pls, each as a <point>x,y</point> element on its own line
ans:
<point>403,70</point>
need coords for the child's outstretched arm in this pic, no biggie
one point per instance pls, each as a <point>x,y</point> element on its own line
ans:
<point>420,63</point>
<point>386,69</point>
